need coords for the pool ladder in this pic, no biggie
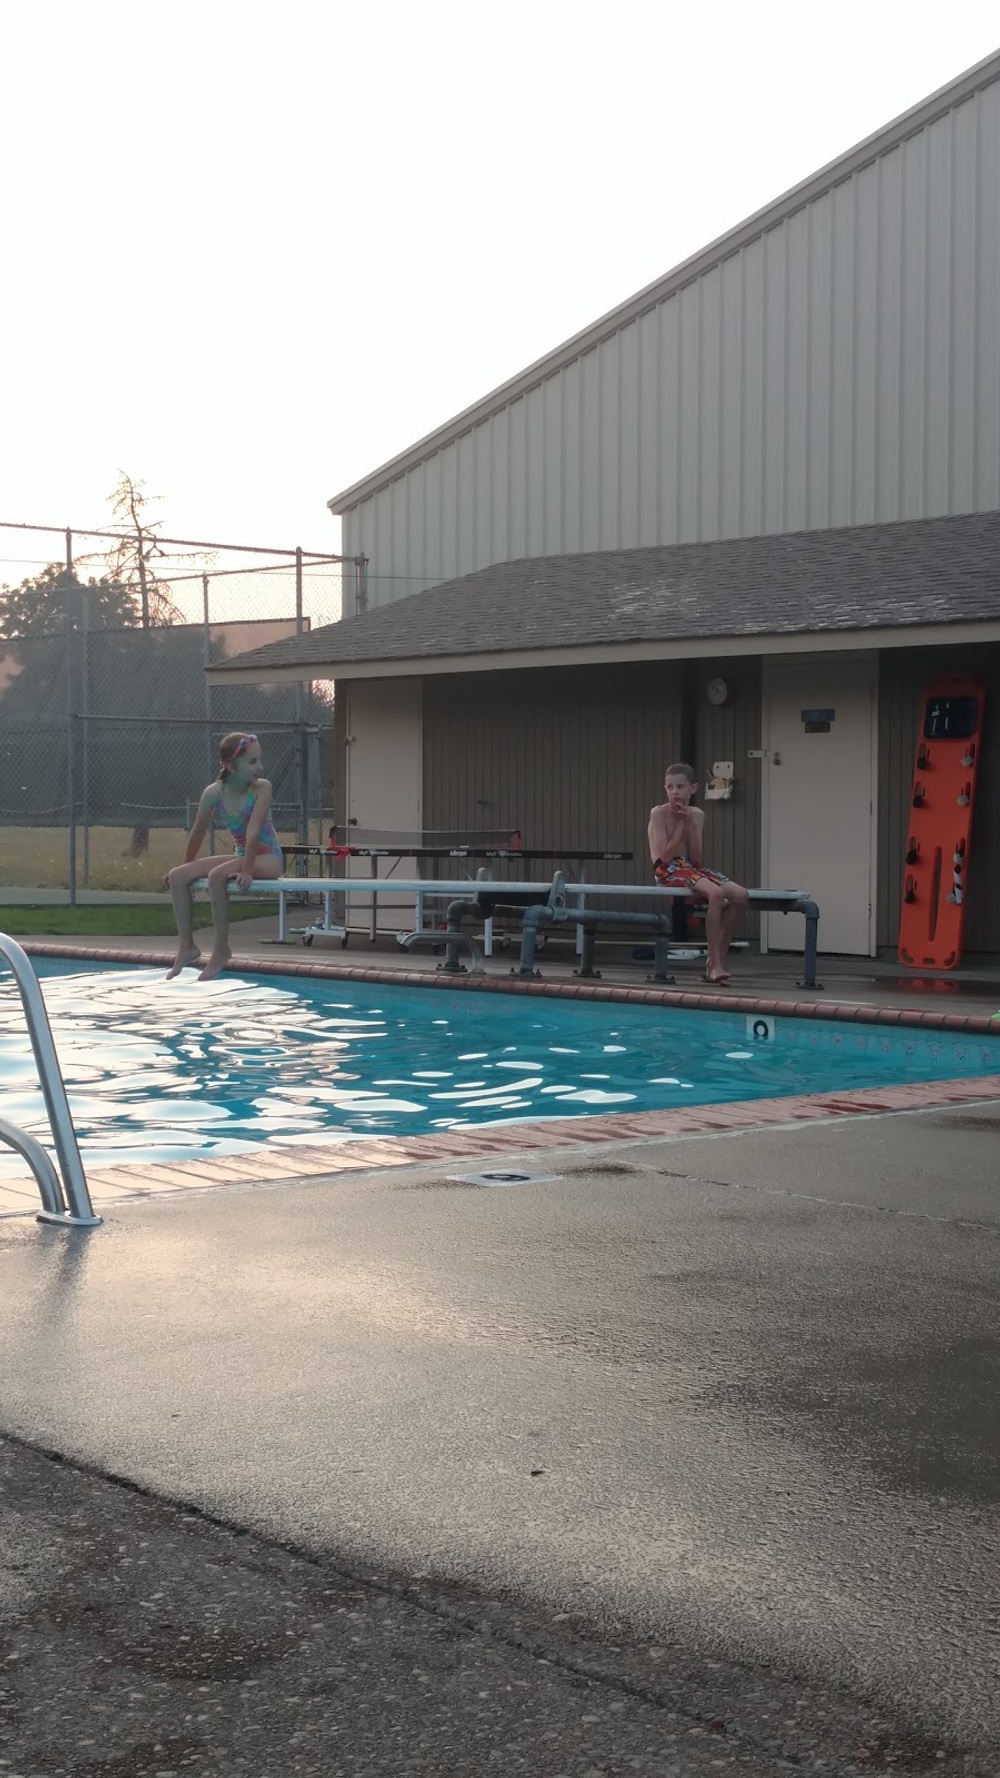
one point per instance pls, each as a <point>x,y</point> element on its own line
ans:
<point>65,1200</point>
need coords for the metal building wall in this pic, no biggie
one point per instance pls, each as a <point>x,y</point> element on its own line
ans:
<point>573,757</point>
<point>576,757</point>
<point>841,367</point>
<point>903,673</point>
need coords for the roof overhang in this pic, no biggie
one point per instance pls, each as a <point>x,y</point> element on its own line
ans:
<point>612,653</point>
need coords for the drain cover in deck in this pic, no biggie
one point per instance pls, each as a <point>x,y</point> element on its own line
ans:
<point>504,1176</point>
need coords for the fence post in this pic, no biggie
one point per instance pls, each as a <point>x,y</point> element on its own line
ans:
<point>70,762</point>
<point>208,697</point>
<point>360,583</point>
<point>302,834</point>
<point>85,729</point>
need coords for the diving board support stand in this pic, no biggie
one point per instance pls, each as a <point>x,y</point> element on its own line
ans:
<point>558,902</point>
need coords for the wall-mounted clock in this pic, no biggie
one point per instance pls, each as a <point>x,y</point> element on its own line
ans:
<point>719,692</point>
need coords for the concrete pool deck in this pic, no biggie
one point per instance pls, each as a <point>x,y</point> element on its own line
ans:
<point>684,1459</point>
<point>708,1419</point>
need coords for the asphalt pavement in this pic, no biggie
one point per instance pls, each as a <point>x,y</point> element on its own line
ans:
<point>704,1429</point>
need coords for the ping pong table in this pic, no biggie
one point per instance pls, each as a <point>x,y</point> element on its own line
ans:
<point>563,856</point>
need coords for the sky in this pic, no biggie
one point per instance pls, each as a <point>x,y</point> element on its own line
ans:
<point>251,251</point>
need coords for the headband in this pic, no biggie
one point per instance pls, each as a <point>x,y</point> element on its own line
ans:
<point>247,741</point>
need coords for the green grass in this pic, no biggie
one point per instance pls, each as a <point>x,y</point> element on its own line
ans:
<point>126,920</point>
<point>36,857</point>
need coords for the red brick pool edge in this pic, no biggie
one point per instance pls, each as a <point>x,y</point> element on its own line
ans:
<point>848,1012</point>
<point>275,1164</point>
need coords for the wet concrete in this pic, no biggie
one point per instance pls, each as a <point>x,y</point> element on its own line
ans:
<point>145,1641</point>
<point>734,1397</point>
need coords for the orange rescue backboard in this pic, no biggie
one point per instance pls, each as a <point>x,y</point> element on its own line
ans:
<point>939,823</point>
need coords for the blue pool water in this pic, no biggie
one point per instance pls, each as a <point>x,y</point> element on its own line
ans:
<point>166,1071</point>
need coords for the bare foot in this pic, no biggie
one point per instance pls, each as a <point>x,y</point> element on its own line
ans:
<point>188,957</point>
<point>216,964</point>
<point>715,973</point>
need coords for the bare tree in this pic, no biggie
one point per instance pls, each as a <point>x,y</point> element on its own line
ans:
<point>129,559</point>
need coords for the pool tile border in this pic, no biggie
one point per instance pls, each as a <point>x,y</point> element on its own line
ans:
<point>286,1163</point>
<point>279,1164</point>
<point>853,1012</point>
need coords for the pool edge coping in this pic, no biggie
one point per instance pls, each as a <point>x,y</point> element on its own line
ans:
<point>313,1162</point>
<point>832,1011</point>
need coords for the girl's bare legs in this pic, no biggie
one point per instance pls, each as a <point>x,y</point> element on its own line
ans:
<point>179,881</point>
<point>265,868</point>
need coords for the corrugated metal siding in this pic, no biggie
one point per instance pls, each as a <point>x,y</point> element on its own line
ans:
<point>902,677</point>
<point>573,757</point>
<point>841,368</point>
<point>576,757</point>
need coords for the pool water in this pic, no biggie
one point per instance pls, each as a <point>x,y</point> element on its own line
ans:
<point>160,1071</point>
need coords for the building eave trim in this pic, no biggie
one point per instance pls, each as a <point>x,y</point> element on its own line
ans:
<point>609,654</point>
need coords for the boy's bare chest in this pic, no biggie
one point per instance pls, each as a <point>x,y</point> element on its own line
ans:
<point>680,827</point>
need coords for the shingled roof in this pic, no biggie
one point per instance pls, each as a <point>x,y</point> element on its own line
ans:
<point>926,572</point>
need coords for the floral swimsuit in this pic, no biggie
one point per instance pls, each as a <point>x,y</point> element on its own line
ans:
<point>267,839</point>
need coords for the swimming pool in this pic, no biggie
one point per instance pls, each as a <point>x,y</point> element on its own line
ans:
<point>160,1071</point>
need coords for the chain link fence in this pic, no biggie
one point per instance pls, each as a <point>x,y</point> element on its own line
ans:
<point>109,730</point>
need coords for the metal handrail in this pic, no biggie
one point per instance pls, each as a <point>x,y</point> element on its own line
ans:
<point>65,1200</point>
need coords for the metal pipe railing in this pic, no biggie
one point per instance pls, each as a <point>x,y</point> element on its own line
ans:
<point>67,1199</point>
<point>41,1165</point>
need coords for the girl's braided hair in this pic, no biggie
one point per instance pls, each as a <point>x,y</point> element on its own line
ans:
<point>230,748</point>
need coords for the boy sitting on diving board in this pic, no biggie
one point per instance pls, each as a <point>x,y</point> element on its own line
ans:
<point>676,847</point>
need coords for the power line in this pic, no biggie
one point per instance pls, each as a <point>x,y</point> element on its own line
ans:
<point>250,549</point>
<point>264,568</point>
<point>213,573</point>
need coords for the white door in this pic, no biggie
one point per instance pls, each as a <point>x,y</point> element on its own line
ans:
<point>385,783</point>
<point>819,733</point>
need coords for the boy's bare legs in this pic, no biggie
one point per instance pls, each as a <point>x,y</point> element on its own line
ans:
<point>737,900</point>
<point>726,906</point>
<point>179,881</point>
<point>714,913</point>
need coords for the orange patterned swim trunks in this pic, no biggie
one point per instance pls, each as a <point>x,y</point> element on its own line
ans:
<point>680,873</point>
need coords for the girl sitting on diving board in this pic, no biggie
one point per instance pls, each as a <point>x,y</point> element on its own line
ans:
<point>241,798</point>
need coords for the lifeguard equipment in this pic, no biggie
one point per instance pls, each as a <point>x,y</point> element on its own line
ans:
<point>935,873</point>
